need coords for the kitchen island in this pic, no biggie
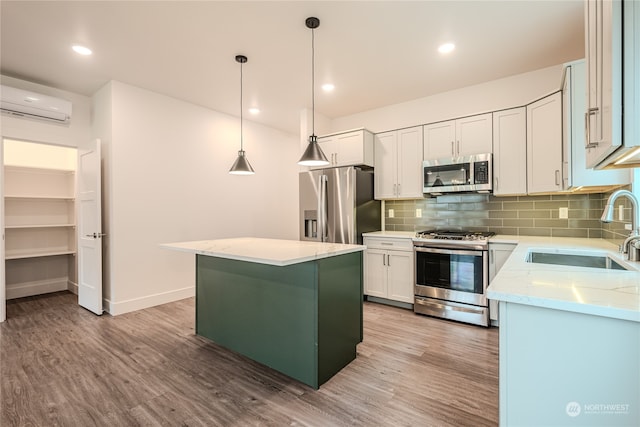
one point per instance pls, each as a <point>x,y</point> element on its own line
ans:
<point>293,306</point>
<point>569,335</point>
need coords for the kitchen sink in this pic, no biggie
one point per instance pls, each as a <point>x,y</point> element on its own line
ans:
<point>576,259</point>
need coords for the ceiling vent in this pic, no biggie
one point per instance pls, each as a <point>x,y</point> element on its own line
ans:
<point>32,105</point>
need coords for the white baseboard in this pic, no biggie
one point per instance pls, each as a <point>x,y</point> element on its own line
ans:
<point>72,287</point>
<point>27,289</point>
<point>121,307</point>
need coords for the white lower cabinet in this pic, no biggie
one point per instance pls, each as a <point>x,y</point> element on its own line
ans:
<point>388,269</point>
<point>498,254</point>
<point>561,368</point>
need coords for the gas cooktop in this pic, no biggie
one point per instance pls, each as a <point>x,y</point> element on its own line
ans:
<point>454,235</point>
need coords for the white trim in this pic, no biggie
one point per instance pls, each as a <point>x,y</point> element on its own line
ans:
<point>122,307</point>
<point>3,300</point>
<point>72,287</point>
<point>38,287</point>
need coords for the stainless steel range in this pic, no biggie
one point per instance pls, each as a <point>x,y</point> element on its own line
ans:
<point>452,275</point>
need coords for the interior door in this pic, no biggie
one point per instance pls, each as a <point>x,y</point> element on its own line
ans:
<point>3,305</point>
<point>90,228</point>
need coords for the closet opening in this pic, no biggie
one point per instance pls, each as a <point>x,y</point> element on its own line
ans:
<point>40,219</point>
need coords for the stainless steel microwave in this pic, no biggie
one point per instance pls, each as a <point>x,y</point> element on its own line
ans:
<point>458,174</point>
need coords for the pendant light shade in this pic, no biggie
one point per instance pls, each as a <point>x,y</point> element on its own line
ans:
<point>241,166</point>
<point>313,155</point>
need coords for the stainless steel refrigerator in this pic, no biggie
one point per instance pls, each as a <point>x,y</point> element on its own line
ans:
<point>337,205</point>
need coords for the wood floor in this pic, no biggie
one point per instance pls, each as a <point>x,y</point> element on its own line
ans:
<point>63,366</point>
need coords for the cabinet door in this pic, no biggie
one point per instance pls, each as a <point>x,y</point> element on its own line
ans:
<point>498,254</point>
<point>544,144</point>
<point>349,149</point>
<point>510,152</point>
<point>439,140</point>
<point>474,135</point>
<point>385,164</point>
<point>409,163</point>
<point>400,276</point>
<point>375,273</point>
<point>575,172</point>
<point>603,47</point>
<point>329,146</point>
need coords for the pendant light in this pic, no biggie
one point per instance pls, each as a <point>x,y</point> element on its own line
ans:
<point>241,166</point>
<point>313,155</point>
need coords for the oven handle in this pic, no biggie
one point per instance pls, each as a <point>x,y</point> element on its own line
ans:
<point>447,251</point>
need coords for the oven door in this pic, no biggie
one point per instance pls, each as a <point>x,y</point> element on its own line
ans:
<point>459,275</point>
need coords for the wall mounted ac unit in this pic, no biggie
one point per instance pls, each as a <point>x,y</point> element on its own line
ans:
<point>24,103</point>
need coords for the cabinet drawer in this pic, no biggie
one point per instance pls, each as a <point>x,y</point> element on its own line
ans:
<point>386,243</point>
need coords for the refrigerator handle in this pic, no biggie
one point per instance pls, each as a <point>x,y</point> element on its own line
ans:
<point>322,207</point>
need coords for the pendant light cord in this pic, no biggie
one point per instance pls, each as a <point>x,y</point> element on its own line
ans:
<point>241,108</point>
<point>313,79</point>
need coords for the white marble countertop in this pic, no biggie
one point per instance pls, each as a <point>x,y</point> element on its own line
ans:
<point>595,291</point>
<point>391,234</point>
<point>264,251</point>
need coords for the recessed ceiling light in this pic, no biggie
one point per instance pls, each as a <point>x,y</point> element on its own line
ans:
<point>446,48</point>
<point>82,50</point>
<point>254,110</point>
<point>328,87</point>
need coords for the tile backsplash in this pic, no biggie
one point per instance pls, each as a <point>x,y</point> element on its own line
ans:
<point>515,215</point>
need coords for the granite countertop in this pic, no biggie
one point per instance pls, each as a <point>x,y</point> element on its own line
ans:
<point>595,291</point>
<point>264,251</point>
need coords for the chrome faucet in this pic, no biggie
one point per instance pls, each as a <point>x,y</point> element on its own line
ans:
<point>607,216</point>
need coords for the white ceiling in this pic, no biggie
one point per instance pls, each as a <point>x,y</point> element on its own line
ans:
<point>376,53</point>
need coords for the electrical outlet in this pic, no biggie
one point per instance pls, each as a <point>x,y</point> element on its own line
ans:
<point>620,212</point>
<point>418,213</point>
<point>391,213</point>
<point>563,213</point>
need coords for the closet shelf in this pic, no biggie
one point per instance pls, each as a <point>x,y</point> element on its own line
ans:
<point>9,255</point>
<point>26,197</point>
<point>32,170</point>
<point>18,227</point>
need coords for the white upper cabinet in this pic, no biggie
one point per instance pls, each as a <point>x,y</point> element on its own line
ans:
<point>386,161</point>
<point>439,140</point>
<point>460,137</point>
<point>575,172</point>
<point>603,47</point>
<point>398,164</point>
<point>510,152</point>
<point>348,148</point>
<point>544,144</point>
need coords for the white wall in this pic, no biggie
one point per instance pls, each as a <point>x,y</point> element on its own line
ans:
<point>495,95</point>
<point>166,168</point>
